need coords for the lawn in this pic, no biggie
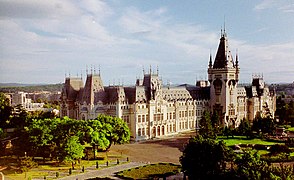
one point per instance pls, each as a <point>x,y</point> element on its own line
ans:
<point>51,167</point>
<point>244,140</point>
<point>150,171</point>
<point>291,129</point>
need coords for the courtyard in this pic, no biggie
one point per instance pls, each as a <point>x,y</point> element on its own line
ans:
<point>168,149</point>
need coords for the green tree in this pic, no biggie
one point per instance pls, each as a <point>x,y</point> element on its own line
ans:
<point>115,129</point>
<point>290,113</point>
<point>244,129</point>
<point>205,158</point>
<point>5,110</point>
<point>2,134</point>
<point>71,150</point>
<point>215,121</point>
<point>206,128</point>
<point>40,136</point>
<point>249,166</point>
<point>19,117</point>
<point>95,134</point>
<point>265,125</point>
<point>40,132</point>
<point>228,131</point>
<point>281,109</point>
<point>55,136</point>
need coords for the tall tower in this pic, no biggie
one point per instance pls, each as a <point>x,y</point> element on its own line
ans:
<point>153,85</point>
<point>223,75</point>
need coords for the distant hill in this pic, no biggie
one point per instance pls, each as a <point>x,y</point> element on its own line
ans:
<point>14,87</point>
<point>18,85</point>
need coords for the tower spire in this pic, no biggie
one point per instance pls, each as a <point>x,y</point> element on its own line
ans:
<point>210,60</point>
<point>150,70</point>
<point>224,25</point>
<point>237,61</point>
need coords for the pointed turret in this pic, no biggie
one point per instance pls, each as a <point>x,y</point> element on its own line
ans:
<point>223,58</point>
<point>237,60</point>
<point>237,67</point>
<point>210,61</point>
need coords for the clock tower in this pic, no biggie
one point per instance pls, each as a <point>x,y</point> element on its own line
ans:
<point>223,75</point>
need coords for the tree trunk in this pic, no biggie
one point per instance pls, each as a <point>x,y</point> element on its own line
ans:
<point>94,151</point>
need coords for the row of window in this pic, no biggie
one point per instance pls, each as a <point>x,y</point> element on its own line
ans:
<point>142,106</point>
<point>124,107</point>
<point>171,115</point>
<point>143,118</point>
<point>126,118</point>
<point>169,128</point>
<point>158,117</point>
<point>185,125</point>
<point>199,112</point>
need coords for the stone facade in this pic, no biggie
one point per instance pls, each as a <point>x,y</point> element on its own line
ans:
<point>152,109</point>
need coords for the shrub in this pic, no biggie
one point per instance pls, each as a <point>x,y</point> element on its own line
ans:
<point>277,158</point>
<point>26,163</point>
<point>260,147</point>
<point>290,142</point>
<point>277,148</point>
<point>284,172</point>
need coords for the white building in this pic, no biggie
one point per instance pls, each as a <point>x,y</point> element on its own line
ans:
<point>154,110</point>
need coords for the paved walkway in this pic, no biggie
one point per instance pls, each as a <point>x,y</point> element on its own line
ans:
<point>104,172</point>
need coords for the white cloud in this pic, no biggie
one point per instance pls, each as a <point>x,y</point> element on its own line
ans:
<point>35,9</point>
<point>283,6</point>
<point>287,8</point>
<point>267,59</point>
<point>265,4</point>
<point>155,26</point>
<point>38,37</point>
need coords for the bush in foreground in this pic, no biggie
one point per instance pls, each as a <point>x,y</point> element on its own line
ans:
<point>151,171</point>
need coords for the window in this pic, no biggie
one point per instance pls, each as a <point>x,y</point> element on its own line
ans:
<point>232,112</point>
<point>139,132</point>
<point>139,118</point>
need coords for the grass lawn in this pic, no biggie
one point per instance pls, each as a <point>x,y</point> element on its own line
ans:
<point>244,140</point>
<point>262,152</point>
<point>150,171</point>
<point>291,129</point>
<point>12,170</point>
<point>27,175</point>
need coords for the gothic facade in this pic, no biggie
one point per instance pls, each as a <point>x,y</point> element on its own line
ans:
<point>152,109</point>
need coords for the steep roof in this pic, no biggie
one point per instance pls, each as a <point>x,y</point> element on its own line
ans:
<point>71,88</point>
<point>93,90</point>
<point>223,56</point>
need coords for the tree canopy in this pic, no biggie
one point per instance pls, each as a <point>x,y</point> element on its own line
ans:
<point>66,136</point>
<point>5,110</point>
<point>204,158</point>
<point>206,126</point>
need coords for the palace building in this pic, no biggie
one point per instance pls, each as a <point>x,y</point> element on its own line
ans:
<point>152,109</point>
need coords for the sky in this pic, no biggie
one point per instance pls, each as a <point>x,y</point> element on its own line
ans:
<point>46,41</point>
